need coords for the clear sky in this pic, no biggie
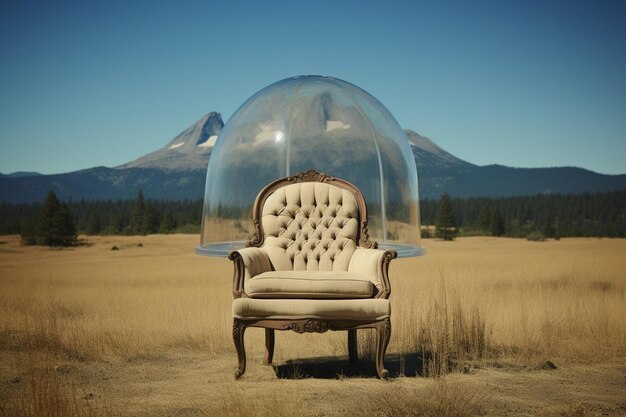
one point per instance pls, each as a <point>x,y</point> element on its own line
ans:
<point>518,83</point>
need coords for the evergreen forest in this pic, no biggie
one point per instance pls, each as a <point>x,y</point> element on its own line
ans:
<point>121,217</point>
<point>554,215</point>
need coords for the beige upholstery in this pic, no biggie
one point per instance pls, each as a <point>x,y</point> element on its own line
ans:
<point>255,261</point>
<point>365,264</point>
<point>368,263</point>
<point>311,266</point>
<point>250,308</point>
<point>309,284</point>
<point>310,226</point>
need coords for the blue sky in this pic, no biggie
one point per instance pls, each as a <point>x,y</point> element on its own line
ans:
<point>519,83</point>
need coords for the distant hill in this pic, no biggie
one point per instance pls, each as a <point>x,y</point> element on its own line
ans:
<point>177,171</point>
<point>499,181</point>
<point>20,174</point>
<point>103,183</point>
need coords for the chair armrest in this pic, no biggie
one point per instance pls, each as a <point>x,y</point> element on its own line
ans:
<point>374,264</point>
<point>248,262</point>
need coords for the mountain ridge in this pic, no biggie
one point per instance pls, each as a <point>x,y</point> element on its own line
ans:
<point>20,174</point>
<point>188,151</point>
<point>427,152</point>
<point>177,171</point>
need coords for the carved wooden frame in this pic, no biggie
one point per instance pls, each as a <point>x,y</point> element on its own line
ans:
<point>363,239</point>
<point>308,324</point>
<point>313,325</point>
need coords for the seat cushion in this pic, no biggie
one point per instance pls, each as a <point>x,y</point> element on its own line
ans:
<point>254,308</point>
<point>309,284</point>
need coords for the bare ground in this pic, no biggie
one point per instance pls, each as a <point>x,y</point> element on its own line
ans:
<point>190,384</point>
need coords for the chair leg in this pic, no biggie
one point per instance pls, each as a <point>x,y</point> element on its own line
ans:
<point>383,332</point>
<point>239,327</point>
<point>269,346</point>
<point>353,351</point>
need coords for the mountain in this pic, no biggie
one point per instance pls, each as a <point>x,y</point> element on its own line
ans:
<point>428,155</point>
<point>177,171</point>
<point>188,151</point>
<point>103,183</point>
<point>499,181</point>
<point>20,174</point>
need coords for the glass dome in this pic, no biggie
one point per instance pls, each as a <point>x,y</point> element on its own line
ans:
<point>304,123</point>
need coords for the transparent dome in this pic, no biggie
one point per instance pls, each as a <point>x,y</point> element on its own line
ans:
<point>304,123</point>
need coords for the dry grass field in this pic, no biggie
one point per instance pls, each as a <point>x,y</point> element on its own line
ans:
<point>146,331</point>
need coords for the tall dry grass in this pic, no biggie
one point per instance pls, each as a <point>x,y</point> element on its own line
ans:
<point>93,303</point>
<point>486,299</point>
<point>443,399</point>
<point>41,390</point>
<point>475,301</point>
<point>469,299</point>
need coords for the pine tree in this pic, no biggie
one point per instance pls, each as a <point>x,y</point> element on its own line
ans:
<point>497,223</point>
<point>54,225</point>
<point>94,225</point>
<point>484,218</point>
<point>446,224</point>
<point>149,221</point>
<point>137,216</point>
<point>548,228</point>
<point>66,230</point>
<point>116,225</point>
<point>167,223</point>
<point>28,232</point>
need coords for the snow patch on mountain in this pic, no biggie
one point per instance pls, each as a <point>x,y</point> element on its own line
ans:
<point>210,142</point>
<point>336,124</point>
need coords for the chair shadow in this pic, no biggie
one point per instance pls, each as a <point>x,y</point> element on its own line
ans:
<point>411,364</point>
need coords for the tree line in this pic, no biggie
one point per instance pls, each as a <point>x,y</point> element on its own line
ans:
<point>121,217</point>
<point>553,216</point>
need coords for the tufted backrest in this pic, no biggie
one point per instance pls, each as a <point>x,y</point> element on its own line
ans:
<point>310,226</point>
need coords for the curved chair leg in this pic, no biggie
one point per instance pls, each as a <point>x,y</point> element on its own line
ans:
<point>239,327</point>
<point>353,351</point>
<point>269,346</point>
<point>383,333</point>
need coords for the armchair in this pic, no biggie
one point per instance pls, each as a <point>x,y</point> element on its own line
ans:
<point>311,267</point>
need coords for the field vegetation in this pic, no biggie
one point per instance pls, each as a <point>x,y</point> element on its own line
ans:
<point>478,327</point>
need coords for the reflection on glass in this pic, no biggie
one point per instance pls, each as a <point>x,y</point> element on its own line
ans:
<point>303,123</point>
